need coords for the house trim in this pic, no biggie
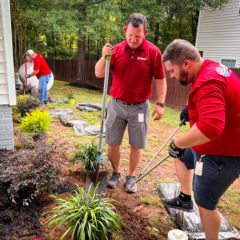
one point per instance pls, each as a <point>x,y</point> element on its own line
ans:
<point>7,33</point>
<point>198,25</point>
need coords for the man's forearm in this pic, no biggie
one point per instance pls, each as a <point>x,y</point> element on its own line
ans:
<point>191,138</point>
<point>35,72</point>
<point>161,89</point>
<point>100,67</point>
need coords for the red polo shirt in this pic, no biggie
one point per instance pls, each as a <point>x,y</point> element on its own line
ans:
<point>214,105</point>
<point>41,65</point>
<point>133,70</point>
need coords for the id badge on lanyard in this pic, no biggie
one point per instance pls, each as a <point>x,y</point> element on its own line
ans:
<point>199,166</point>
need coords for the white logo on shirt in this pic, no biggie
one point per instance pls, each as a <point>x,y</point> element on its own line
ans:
<point>223,70</point>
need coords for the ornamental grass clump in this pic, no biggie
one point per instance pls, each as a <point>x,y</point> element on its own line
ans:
<point>87,154</point>
<point>36,122</point>
<point>84,215</point>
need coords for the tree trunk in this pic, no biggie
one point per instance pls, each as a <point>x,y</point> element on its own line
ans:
<point>156,33</point>
<point>81,78</point>
<point>14,34</point>
<point>180,27</point>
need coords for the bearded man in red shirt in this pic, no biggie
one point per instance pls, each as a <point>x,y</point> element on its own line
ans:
<point>134,63</point>
<point>211,146</point>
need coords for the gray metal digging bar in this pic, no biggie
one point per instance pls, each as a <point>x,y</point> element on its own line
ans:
<point>142,174</point>
<point>105,88</point>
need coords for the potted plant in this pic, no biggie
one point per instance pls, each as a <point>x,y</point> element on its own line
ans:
<point>71,99</point>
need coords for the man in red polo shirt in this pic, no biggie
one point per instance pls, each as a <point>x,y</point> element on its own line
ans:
<point>42,71</point>
<point>212,145</point>
<point>134,62</point>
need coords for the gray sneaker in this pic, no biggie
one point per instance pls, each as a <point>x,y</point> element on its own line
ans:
<point>114,180</point>
<point>130,184</point>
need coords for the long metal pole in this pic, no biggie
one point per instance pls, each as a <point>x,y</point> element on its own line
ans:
<point>160,149</point>
<point>105,89</point>
<point>150,170</point>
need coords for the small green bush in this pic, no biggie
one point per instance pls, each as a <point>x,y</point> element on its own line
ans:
<point>26,104</point>
<point>87,155</point>
<point>28,172</point>
<point>36,122</point>
<point>85,215</point>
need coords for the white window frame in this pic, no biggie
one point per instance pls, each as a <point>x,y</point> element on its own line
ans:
<point>8,49</point>
<point>239,8</point>
<point>230,59</point>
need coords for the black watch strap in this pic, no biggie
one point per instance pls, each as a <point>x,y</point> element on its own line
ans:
<point>160,104</point>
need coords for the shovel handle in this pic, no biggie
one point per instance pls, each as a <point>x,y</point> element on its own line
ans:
<point>105,88</point>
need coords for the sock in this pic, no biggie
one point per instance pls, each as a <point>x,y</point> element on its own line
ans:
<point>185,197</point>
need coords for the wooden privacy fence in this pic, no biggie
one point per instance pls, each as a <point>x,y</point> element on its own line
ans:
<point>67,70</point>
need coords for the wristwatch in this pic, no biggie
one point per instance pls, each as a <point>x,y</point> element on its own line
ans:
<point>160,104</point>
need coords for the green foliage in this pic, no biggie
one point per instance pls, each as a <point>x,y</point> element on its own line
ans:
<point>87,155</point>
<point>26,104</point>
<point>84,215</point>
<point>71,99</point>
<point>96,21</point>
<point>28,172</point>
<point>36,122</point>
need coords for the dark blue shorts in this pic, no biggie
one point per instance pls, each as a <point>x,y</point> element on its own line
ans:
<point>219,172</point>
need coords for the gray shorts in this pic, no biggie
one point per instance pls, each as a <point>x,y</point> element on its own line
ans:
<point>219,172</point>
<point>120,115</point>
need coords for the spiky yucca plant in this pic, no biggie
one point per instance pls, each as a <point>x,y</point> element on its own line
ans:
<point>84,215</point>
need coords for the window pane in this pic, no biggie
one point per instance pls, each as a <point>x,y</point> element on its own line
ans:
<point>229,63</point>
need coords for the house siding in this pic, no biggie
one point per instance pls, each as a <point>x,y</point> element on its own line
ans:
<point>6,128</point>
<point>218,34</point>
<point>6,123</point>
<point>3,74</point>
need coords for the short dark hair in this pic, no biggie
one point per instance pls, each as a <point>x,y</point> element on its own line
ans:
<point>137,19</point>
<point>180,50</point>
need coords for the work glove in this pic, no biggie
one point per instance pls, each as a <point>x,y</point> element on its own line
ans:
<point>27,75</point>
<point>184,115</point>
<point>175,151</point>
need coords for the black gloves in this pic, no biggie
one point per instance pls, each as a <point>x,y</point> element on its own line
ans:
<point>27,75</point>
<point>184,115</point>
<point>175,151</point>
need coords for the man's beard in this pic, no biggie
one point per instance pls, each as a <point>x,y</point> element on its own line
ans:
<point>184,80</point>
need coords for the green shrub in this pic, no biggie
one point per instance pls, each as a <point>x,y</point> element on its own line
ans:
<point>26,104</point>
<point>28,172</point>
<point>85,215</point>
<point>87,155</point>
<point>36,122</point>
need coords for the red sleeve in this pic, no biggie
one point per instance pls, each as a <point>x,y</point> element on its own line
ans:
<point>37,64</point>
<point>210,104</point>
<point>158,69</point>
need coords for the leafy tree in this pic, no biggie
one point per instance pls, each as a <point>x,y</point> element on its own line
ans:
<point>79,28</point>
